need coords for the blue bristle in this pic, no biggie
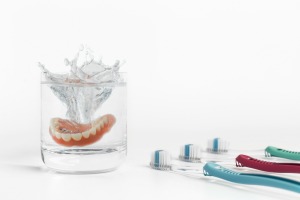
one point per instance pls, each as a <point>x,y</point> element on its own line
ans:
<point>216,144</point>
<point>156,160</point>
<point>187,150</point>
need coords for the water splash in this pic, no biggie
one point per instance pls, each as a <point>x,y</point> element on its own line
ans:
<point>81,90</point>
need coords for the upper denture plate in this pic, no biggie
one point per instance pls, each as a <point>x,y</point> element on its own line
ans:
<point>66,137</point>
<point>76,136</point>
<point>86,134</point>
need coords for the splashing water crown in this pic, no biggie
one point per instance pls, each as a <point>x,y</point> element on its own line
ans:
<point>82,102</point>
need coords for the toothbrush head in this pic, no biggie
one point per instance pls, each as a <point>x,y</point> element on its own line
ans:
<point>190,153</point>
<point>267,153</point>
<point>217,145</point>
<point>161,160</point>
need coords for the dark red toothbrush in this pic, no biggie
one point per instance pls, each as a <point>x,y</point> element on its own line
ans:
<point>247,161</point>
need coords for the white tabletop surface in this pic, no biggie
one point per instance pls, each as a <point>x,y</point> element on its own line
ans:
<point>24,176</point>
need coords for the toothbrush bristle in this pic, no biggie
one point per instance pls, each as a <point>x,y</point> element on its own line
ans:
<point>217,145</point>
<point>267,154</point>
<point>161,160</point>
<point>190,153</point>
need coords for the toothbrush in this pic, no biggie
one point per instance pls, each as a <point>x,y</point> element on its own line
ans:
<point>160,156</point>
<point>190,153</point>
<point>221,146</point>
<point>161,160</point>
<point>213,169</point>
<point>193,153</point>
<point>218,146</point>
<point>271,151</point>
<point>247,161</point>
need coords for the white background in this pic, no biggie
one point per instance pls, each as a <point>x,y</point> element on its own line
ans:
<point>196,70</point>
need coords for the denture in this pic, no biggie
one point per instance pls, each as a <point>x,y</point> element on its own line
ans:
<point>68,133</point>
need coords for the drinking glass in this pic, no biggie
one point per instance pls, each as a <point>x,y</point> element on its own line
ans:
<point>94,142</point>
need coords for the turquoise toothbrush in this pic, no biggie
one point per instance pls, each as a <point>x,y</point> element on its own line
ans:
<point>271,151</point>
<point>213,169</point>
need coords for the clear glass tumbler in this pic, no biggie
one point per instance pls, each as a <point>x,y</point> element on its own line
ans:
<point>94,142</point>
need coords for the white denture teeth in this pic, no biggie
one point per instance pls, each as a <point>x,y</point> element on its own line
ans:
<point>86,134</point>
<point>105,120</point>
<point>102,124</point>
<point>98,127</point>
<point>99,124</point>
<point>76,136</point>
<point>66,137</point>
<point>93,131</point>
<point>57,134</point>
<point>95,123</point>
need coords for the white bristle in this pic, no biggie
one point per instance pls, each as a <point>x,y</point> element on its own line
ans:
<point>164,161</point>
<point>194,153</point>
<point>222,146</point>
<point>267,154</point>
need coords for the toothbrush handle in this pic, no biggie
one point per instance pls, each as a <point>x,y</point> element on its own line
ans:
<point>282,153</point>
<point>212,169</point>
<point>247,161</point>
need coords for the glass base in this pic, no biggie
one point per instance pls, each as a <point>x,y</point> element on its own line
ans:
<point>83,161</point>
